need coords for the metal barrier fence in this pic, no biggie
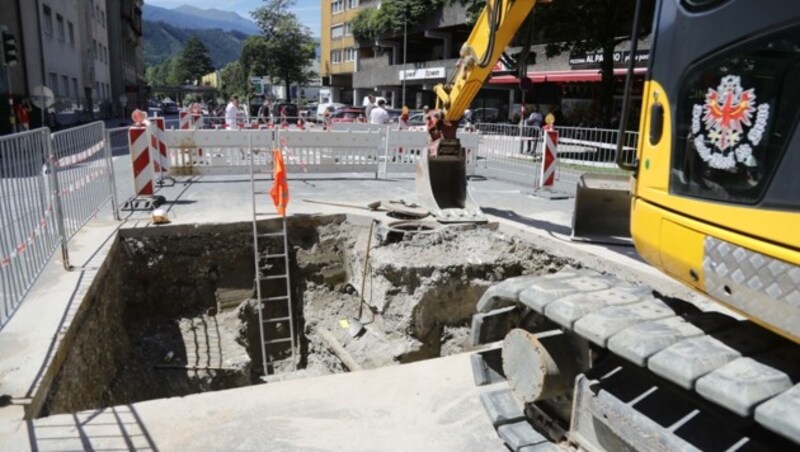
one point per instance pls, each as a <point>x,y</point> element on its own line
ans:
<point>84,174</point>
<point>50,186</point>
<point>28,215</point>
<point>514,152</point>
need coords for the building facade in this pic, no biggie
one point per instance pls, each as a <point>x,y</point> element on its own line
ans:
<point>128,81</point>
<point>75,48</point>
<point>405,67</point>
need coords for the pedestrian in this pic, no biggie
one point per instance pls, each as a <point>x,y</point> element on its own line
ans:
<point>535,119</point>
<point>264,112</point>
<point>21,110</point>
<point>426,116</point>
<point>283,117</point>
<point>370,105</point>
<point>402,120</point>
<point>232,114</point>
<point>326,118</point>
<point>379,115</point>
<point>301,122</point>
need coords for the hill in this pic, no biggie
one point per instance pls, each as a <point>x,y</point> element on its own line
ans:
<point>199,19</point>
<point>162,41</point>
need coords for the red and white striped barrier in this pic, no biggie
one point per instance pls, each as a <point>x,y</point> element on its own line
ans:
<point>549,159</point>
<point>139,143</point>
<point>197,121</point>
<point>184,120</point>
<point>160,158</point>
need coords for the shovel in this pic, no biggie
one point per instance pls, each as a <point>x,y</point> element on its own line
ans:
<point>356,327</point>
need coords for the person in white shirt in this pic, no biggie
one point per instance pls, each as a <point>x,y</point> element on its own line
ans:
<point>379,115</point>
<point>232,114</point>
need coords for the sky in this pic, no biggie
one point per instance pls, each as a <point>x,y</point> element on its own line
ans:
<point>308,11</point>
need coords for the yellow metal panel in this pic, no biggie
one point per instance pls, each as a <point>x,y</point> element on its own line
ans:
<point>682,253</point>
<point>646,231</point>
<point>470,77</point>
<point>653,185</point>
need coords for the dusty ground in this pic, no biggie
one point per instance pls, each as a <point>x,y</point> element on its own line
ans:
<point>197,330</point>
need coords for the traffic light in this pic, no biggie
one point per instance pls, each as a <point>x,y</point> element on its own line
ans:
<point>10,57</point>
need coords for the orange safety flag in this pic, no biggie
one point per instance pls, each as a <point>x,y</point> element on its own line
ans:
<point>280,189</point>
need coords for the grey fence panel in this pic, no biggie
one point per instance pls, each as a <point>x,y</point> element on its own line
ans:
<point>583,150</point>
<point>28,226</point>
<point>83,171</point>
<point>509,152</point>
<point>122,169</point>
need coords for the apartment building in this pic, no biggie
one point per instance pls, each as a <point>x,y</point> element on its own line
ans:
<point>88,52</point>
<point>338,51</point>
<point>128,81</point>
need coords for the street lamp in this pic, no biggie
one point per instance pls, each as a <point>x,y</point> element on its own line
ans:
<point>405,49</point>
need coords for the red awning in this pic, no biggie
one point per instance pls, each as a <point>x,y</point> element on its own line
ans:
<point>584,75</point>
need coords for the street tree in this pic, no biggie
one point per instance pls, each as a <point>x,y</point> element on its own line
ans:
<point>192,63</point>
<point>285,50</point>
<point>234,80</point>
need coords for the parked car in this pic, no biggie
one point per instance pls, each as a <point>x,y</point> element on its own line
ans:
<point>349,114</point>
<point>292,111</point>
<point>154,108</point>
<point>169,108</point>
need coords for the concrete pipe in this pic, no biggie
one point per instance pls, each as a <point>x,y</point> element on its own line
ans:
<point>540,367</point>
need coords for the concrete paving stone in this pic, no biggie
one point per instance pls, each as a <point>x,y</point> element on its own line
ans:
<point>641,341</point>
<point>506,292</point>
<point>742,384</point>
<point>502,407</point>
<point>684,362</point>
<point>566,311</point>
<point>487,367</point>
<point>492,326</point>
<point>542,447</point>
<point>519,435</point>
<point>599,326</point>
<point>547,290</point>
<point>781,414</point>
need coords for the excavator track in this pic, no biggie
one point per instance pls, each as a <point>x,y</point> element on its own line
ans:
<point>661,374</point>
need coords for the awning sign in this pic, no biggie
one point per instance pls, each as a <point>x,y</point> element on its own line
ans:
<point>422,74</point>
<point>594,59</point>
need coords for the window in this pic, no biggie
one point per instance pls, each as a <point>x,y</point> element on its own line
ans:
<point>350,55</point>
<point>53,80</point>
<point>337,31</point>
<point>103,18</point>
<point>75,88</point>
<point>95,53</point>
<point>348,29</point>
<point>736,111</point>
<point>352,4</point>
<point>65,85</point>
<point>336,56</point>
<point>337,6</point>
<point>97,90</point>
<point>60,27</point>
<point>48,20</point>
<point>71,29</point>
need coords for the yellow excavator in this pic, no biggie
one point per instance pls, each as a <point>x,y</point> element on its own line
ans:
<point>595,363</point>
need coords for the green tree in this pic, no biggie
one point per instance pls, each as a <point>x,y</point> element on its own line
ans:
<point>234,80</point>
<point>193,62</point>
<point>286,49</point>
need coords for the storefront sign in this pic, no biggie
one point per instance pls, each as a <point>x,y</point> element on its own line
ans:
<point>594,59</point>
<point>422,74</point>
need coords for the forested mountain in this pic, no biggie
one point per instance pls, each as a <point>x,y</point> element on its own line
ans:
<point>163,41</point>
<point>199,19</point>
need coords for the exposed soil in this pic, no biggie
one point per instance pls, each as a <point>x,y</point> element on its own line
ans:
<point>173,311</point>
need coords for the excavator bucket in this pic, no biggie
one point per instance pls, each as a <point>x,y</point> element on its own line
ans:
<point>441,181</point>
<point>602,209</point>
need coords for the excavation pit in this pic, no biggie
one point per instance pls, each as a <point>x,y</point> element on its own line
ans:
<point>172,311</point>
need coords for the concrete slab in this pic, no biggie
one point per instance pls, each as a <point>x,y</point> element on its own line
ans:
<point>429,405</point>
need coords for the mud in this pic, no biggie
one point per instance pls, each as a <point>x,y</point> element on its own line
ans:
<point>173,312</point>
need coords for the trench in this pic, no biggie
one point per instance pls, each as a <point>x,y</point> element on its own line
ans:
<point>172,310</point>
